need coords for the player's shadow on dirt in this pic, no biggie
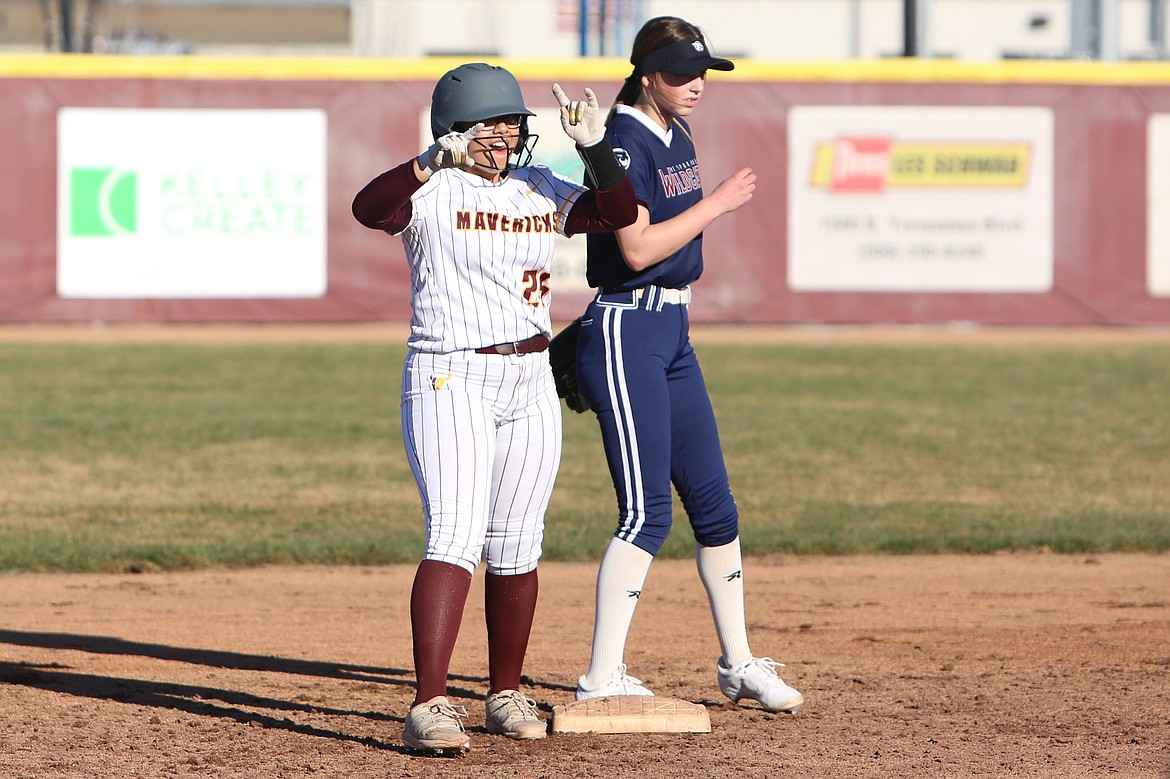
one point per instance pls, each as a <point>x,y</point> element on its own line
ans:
<point>214,658</point>
<point>200,700</point>
<point>187,698</point>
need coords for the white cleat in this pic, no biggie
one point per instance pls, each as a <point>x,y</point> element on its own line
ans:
<point>510,714</point>
<point>435,728</point>
<point>618,683</point>
<point>756,679</point>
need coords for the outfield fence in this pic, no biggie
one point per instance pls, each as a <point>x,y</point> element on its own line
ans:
<point>144,189</point>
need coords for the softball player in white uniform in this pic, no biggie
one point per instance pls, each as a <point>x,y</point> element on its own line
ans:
<point>480,416</point>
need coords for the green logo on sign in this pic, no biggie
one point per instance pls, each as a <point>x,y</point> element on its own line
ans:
<point>104,201</point>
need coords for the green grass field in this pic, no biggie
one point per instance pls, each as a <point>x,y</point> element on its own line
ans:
<point>120,457</point>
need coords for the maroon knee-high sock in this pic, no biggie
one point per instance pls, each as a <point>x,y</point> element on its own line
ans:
<point>436,609</point>
<point>509,604</point>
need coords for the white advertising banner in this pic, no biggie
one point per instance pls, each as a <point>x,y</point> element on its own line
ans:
<point>1158,206</point>
<point>920,199</point>
<point>191,203</point>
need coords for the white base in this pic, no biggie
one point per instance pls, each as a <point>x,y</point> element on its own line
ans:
<point>631,714</point>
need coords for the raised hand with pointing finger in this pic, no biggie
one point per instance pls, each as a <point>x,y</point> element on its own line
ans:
<point>450,150</point>
<point>581,119</point>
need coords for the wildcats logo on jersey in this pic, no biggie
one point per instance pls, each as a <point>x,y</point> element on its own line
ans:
<point>680,179</point>
<point>501,223</point>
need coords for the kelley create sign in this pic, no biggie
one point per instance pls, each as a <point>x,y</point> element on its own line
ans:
<point>920,199</point>
<point>187,203</point>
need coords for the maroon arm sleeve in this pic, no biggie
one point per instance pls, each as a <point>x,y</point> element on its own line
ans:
<point>603,210</point>
<point>384,203</point>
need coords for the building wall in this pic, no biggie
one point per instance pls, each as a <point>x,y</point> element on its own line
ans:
<point>760,29</point>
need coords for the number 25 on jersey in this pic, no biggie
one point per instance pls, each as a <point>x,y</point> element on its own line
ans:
<point>536,287</point>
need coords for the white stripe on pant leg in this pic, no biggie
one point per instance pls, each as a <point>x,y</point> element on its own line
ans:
<point>619,394</point>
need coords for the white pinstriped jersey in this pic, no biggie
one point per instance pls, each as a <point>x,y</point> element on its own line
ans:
<point>481,256</point>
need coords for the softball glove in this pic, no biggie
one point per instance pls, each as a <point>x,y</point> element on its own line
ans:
<point>562,356</point>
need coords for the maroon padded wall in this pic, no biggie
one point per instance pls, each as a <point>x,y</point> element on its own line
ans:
<point>1099,209</point>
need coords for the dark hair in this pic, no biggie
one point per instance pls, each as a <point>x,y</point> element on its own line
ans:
<point>656,33</point>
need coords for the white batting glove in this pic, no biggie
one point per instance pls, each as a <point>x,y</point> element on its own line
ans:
<point>581,119</point>
<point>450,151</point>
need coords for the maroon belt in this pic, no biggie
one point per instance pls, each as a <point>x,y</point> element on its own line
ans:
<point>537,343</point>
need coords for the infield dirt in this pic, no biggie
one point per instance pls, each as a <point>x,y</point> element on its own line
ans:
<point>1022,665</point>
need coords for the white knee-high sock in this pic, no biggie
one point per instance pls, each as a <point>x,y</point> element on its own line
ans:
<point>721,570</point>
<point>619,584</point>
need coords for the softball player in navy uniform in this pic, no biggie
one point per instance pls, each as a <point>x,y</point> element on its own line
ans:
<point>480,416</point>
<point>639,374</point>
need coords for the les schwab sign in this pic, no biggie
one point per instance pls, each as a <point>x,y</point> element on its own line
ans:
<point>920,199</point>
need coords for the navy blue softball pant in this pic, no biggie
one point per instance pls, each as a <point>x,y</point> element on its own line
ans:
<point>639,373</point>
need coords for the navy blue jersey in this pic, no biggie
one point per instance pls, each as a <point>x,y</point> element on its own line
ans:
<point>665,173</point>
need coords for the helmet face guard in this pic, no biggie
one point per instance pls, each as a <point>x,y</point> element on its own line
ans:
<point>520,156</point>
<point>475,92</point>
<point>525,146</point>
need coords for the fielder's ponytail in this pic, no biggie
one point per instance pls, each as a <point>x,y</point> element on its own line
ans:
<point>628,94</point>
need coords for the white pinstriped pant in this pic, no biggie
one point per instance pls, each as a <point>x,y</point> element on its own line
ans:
<point>483,438</point>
